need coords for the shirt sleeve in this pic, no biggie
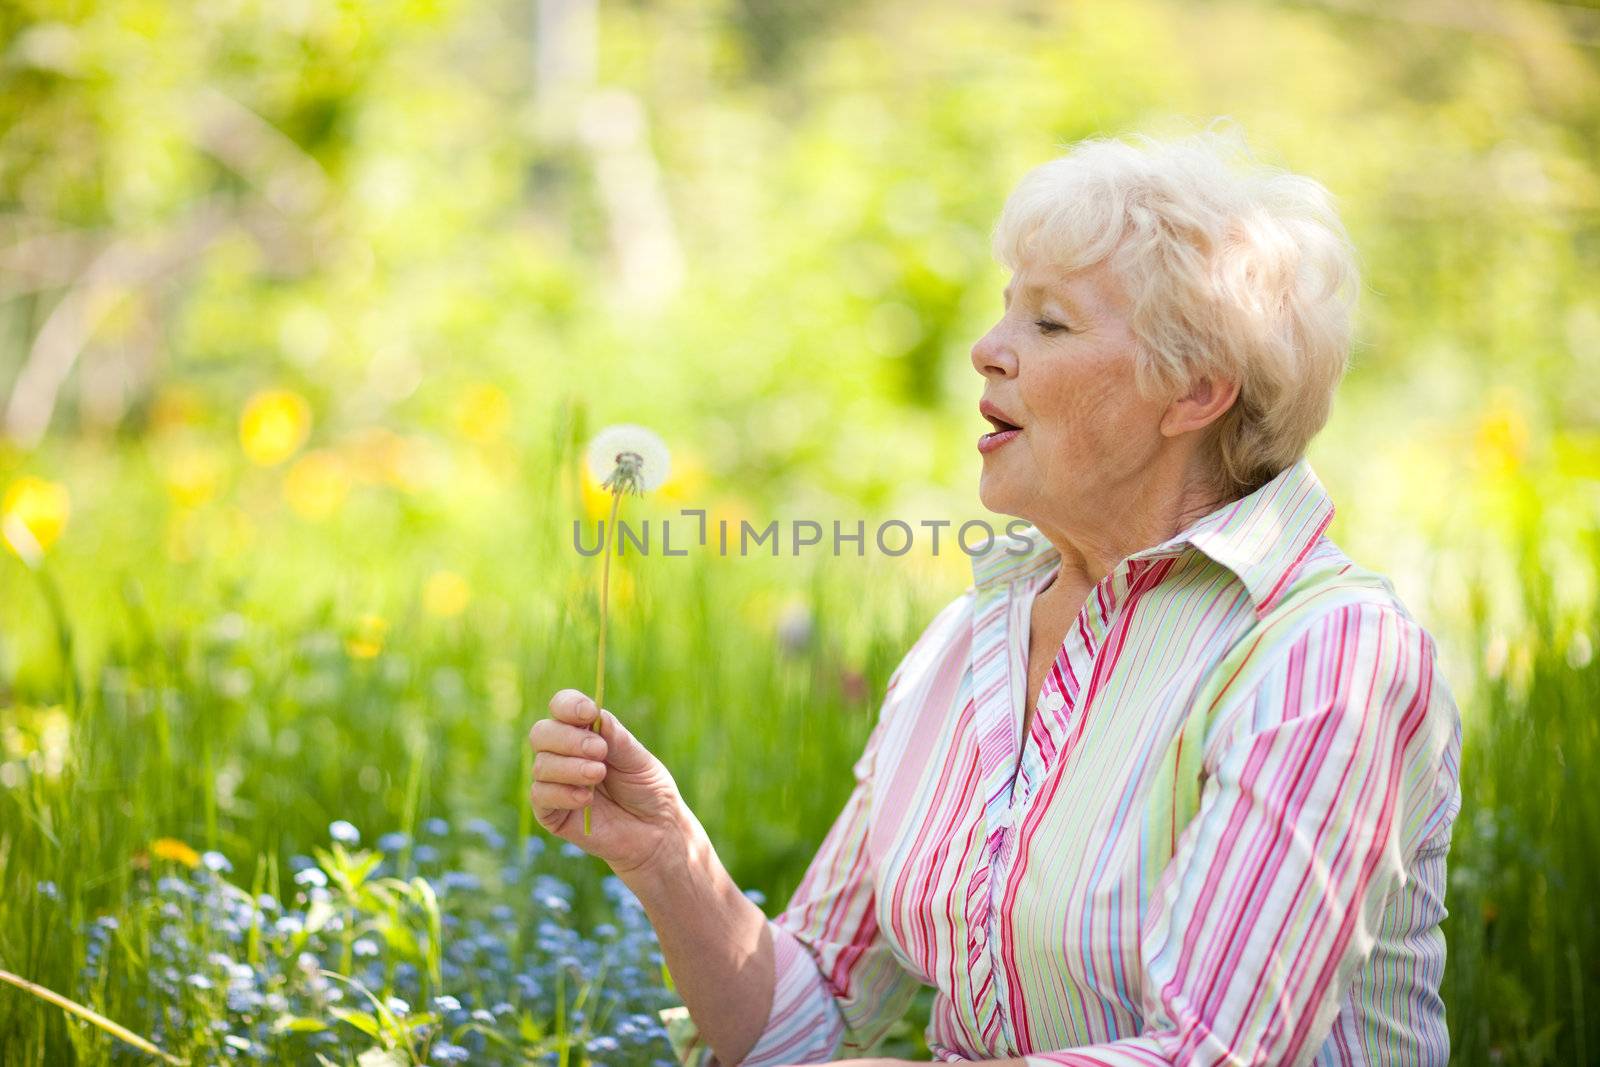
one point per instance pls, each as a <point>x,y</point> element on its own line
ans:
<point>1319,782</point>
<point>840,986</point>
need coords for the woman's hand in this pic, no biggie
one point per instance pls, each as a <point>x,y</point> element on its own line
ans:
<point>635,807</point>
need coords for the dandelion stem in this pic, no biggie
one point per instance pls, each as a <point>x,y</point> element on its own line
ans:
<point>91,1015</point>
<point>606,536</point>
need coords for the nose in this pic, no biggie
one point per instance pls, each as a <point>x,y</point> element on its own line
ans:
<point>992,356</point>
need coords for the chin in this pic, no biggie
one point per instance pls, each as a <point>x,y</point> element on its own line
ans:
<point>993,494</point>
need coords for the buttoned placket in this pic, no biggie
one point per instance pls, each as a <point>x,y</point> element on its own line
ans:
<point>1080,648</point>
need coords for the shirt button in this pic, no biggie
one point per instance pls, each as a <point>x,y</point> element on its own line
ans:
<point>1052,702</point>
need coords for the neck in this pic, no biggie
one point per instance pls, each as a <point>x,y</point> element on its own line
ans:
<point>1144,510</point>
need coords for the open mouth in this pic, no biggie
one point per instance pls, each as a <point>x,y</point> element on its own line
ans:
<point>1003,431</point>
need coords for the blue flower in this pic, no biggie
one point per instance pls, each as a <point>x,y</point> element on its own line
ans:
<point>445,1052</point>
<point>243,1001</point>
<point>436,827</point>
<point>216,862</point>
<point>344,832</point>
<point>397,841</point>
<point>460,880</point>
<point>311,876</point>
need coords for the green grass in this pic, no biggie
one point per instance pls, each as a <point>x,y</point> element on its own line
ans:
<point>1523,968</point>
<point>249,727</point>
<point>249,736</point>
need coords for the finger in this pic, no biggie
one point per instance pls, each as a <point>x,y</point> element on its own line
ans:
<point>559,795</point>
<point>548,735</point>
<point>549,767</point>
<point>569,705</point>
<point>623,750</point>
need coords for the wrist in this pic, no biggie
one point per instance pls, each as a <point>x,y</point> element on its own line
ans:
<point>682,846</point>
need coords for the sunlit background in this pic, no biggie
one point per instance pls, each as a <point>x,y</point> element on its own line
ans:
<point>307,310</point>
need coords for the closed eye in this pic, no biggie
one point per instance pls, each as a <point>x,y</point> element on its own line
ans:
<point>1049,327</point>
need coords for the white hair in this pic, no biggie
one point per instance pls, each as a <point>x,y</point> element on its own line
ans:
<point>1240,272</point>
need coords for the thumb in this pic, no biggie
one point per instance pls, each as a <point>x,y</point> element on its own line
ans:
<point>623,750</point>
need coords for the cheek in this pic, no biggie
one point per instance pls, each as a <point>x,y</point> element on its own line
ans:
<point>1077,407</point>
<point>1094,411</point>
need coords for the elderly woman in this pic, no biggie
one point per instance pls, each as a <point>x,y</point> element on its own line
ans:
<point>1173,784</point>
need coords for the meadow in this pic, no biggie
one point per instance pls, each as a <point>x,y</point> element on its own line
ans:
<point>306,315</point>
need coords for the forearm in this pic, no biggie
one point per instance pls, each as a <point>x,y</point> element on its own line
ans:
<point>714,940</point>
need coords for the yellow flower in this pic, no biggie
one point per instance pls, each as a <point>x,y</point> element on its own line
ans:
<point>274,425</point>
<point>170,848</point>
<point>367,641</point>
<point>32,516</point>
<point>316,484</point>
<point>687,479</point>
<point>1502,432</point>
<point>596,501</point>
<point>482,412</point>
<point>193,473</point>
<point>445,594</point>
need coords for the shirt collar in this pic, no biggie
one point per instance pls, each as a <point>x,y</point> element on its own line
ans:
<point>1261,538</point>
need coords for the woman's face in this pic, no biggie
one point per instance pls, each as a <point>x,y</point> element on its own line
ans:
<point>1058,367</point>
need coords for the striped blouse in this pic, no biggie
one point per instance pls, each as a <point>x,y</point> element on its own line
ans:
<point>1222,840</point>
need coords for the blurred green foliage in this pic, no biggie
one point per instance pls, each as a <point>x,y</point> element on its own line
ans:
<point>306,309</point>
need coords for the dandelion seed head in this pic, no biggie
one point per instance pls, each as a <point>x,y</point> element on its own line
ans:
<point>635,456</point>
